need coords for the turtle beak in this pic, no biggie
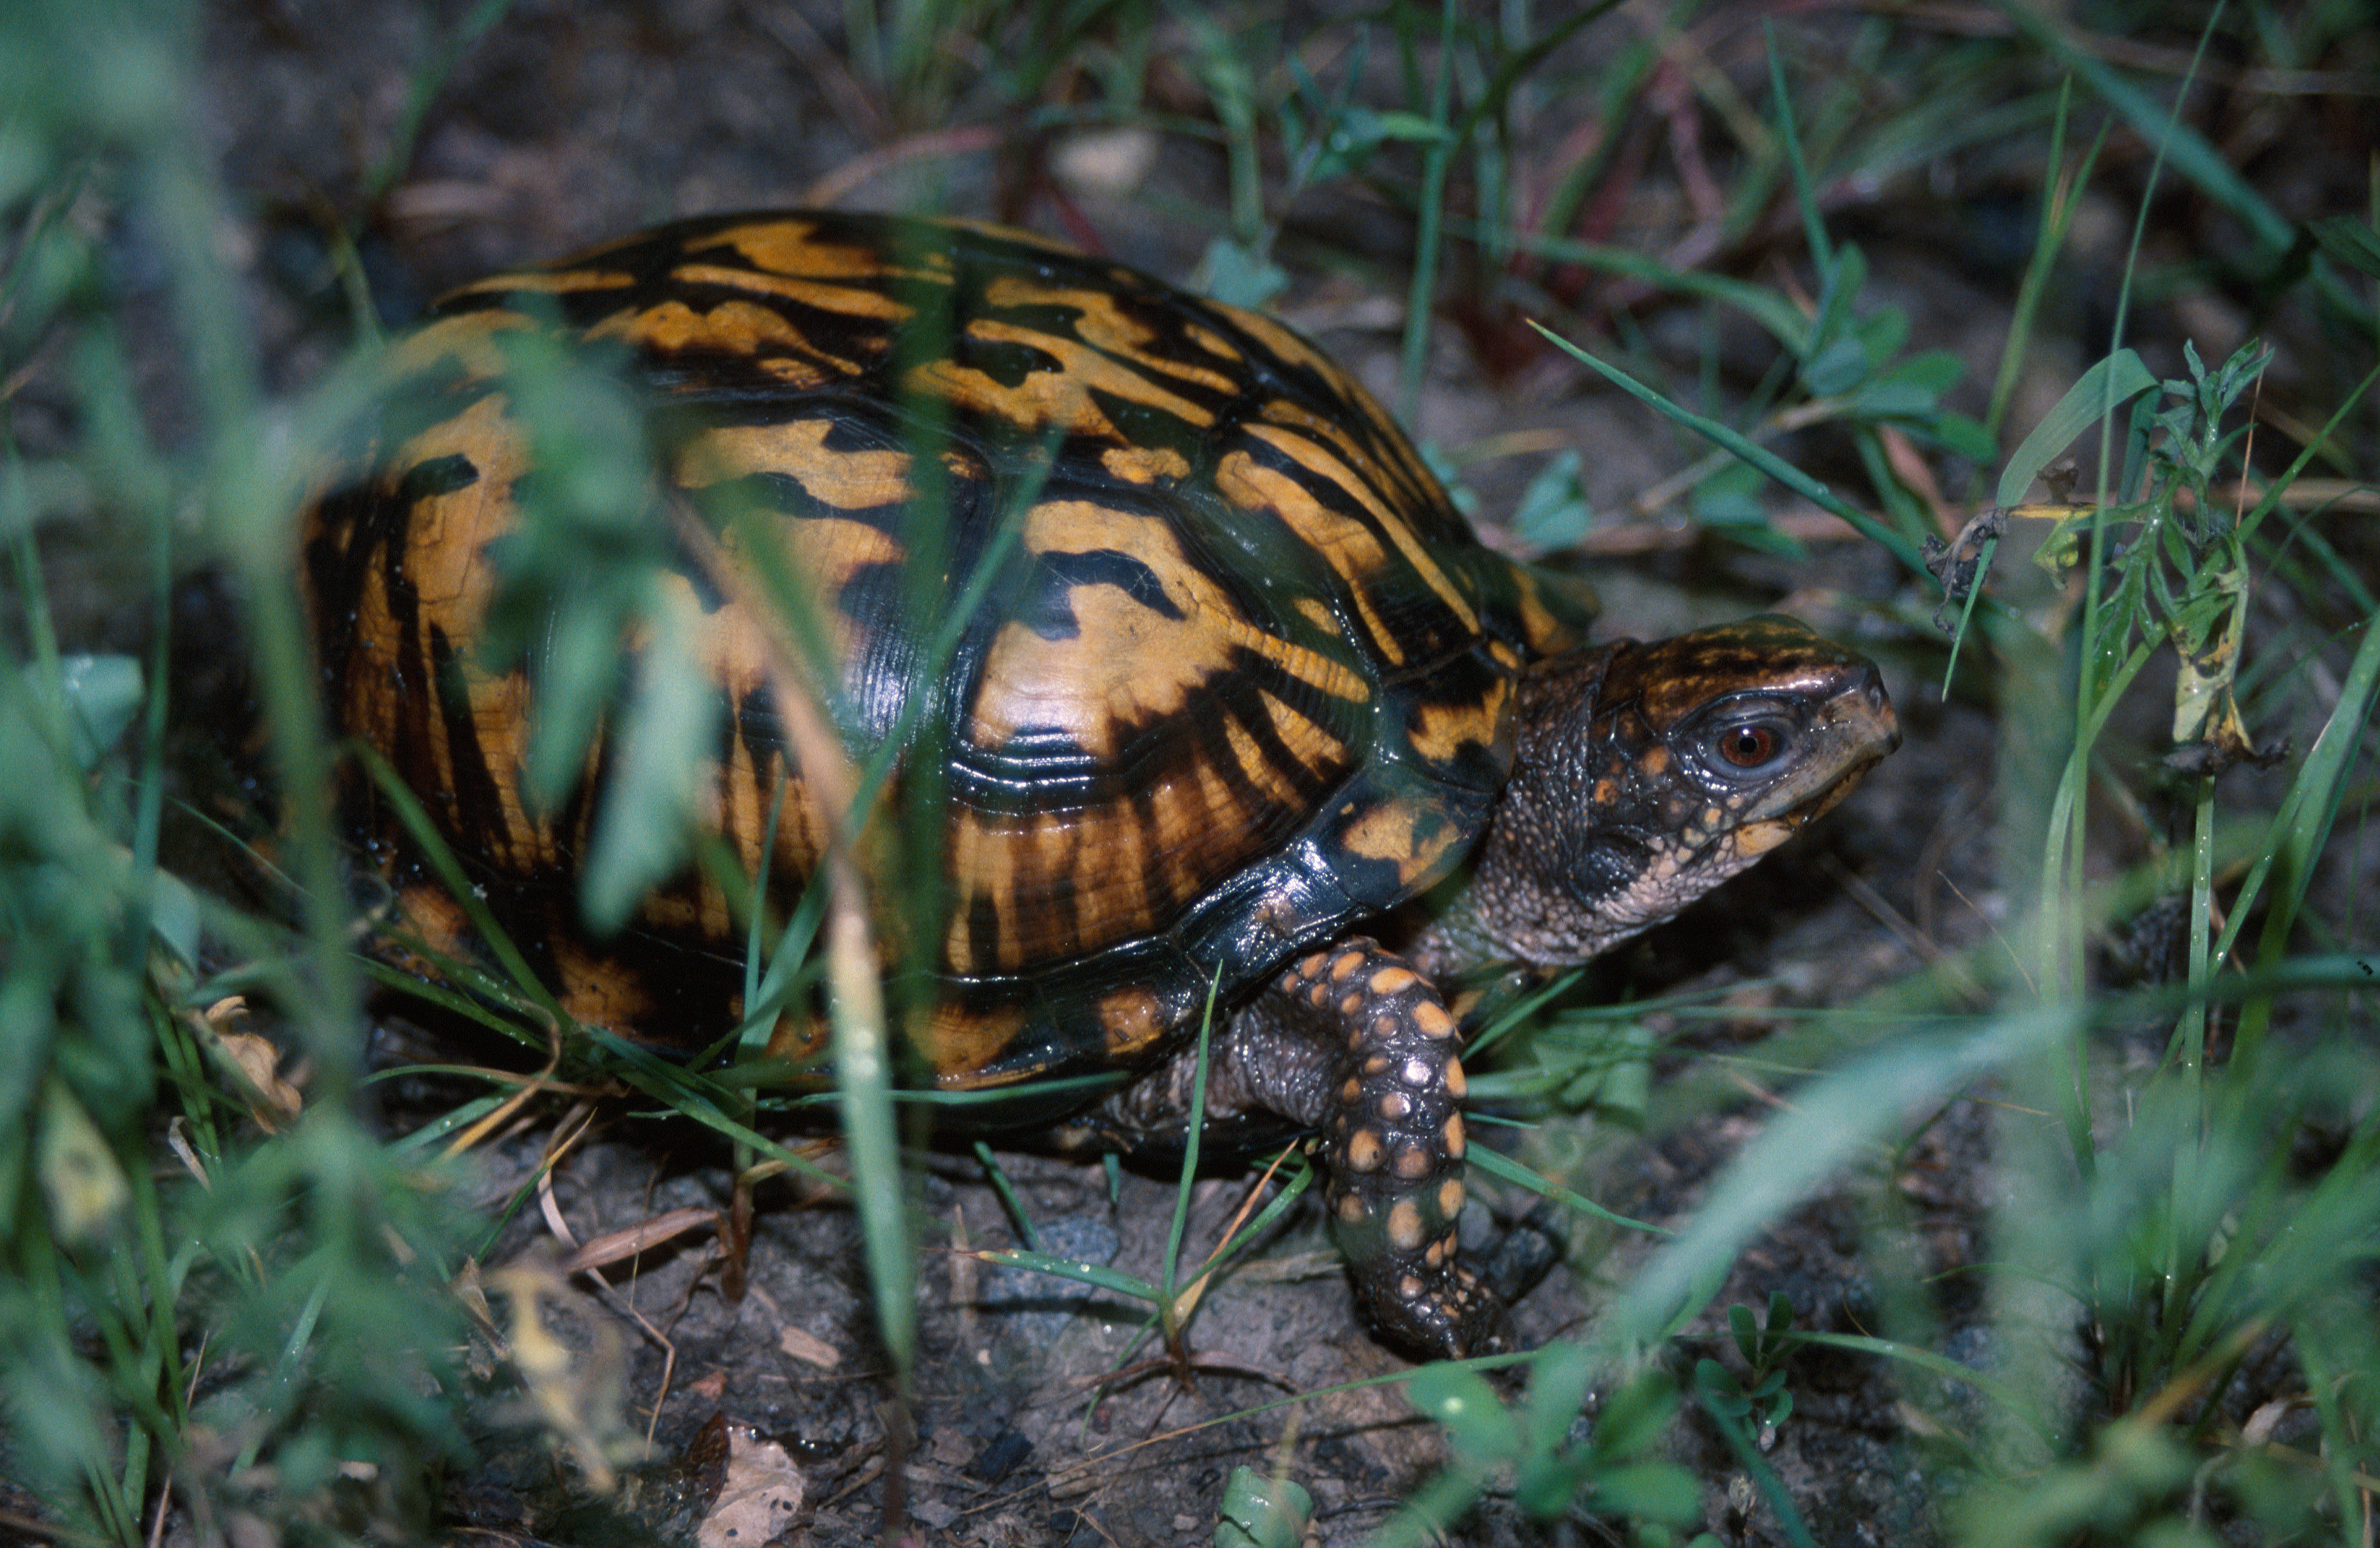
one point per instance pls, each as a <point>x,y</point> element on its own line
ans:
<point>1855,731</point>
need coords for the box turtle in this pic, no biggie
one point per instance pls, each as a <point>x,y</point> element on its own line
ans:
<point>1233,702</point>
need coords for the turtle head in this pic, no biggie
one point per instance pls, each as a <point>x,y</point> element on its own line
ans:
<point>1647,773</point>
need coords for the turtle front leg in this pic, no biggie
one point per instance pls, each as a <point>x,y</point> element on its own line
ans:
<point>1352,1043</point>
<point>1390,1116</point>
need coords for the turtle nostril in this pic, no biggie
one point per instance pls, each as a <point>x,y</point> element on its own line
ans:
<point>1879,704</point>
<point>1872,689</point>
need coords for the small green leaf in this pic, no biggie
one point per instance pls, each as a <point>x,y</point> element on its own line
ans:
<point>103,695</point>
<point>1891,400</point>
<point>1558,1383</point>
<point>1959,434</point>
<point>1884,334</point>
<point>1633,1418</point>
<point>1261,1511</point>
<point>1935,371</point>
<point>1839,365</point>
<point>1911,389</point>
<point>1661,1491</point>
<point>1413,128</point>
<point>1835,323</point>
<point>1554,512</point>
<point>1462,1402</point>
<point>1729,502</point>
<point>1239,276</point>
<point>2103,389</point>
<point>1720,1389</point>
<point>576,668</point>
<point>1729,498</point>
<point>174,916</point>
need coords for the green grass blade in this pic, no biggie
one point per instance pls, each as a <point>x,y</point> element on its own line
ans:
<point>2301,827</point>
<point>2096,395</point>
<point>1096,1276</point>
<point>2188,150</point>
<point>1733,441</point>
<point>1832,1120</point>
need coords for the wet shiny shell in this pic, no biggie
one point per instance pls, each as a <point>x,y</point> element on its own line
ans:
<point>1243,675</point>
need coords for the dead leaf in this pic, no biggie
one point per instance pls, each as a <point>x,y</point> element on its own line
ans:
<point>763,1490</point>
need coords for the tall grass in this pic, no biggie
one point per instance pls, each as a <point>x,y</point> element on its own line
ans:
<point>227,1323</point>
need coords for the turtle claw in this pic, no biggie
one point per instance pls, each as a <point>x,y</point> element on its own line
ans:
<point>1458,1318</point>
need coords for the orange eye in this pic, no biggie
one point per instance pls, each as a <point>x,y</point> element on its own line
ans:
<point>1749,746</point>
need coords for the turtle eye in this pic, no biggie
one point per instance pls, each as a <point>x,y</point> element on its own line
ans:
<point>1751,744</point>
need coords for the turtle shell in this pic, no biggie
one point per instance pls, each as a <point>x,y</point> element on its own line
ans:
<point>1206,663</point>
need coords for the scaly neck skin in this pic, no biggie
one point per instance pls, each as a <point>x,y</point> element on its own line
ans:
<point>1510,909</point>
<point>1643,775</point>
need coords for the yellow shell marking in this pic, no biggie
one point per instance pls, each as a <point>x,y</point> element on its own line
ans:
<point>744,327</point>
<point>1132,1018</point>
<point>1289,348</point>
<point>469,341</point>
<point>1144,465</point>
<point>452,586</point>
<point>792,248</point>
<point>847,301</point>
<point>561,281</point>
<point>1440,730</point>
<point>1128,666</point>
<point>1259,769</point>
<point>1101,327</point>
<point>1050,397</point>
<point>1389,833</point>
<point>847,480</point>
<point>960,1045</point>
<point>1347,546</point>
<point>1214,343</point>
<point>1325,448</point>
<point>1306,740</point>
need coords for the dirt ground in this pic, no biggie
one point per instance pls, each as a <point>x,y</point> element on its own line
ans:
<point>1037,1418</point>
